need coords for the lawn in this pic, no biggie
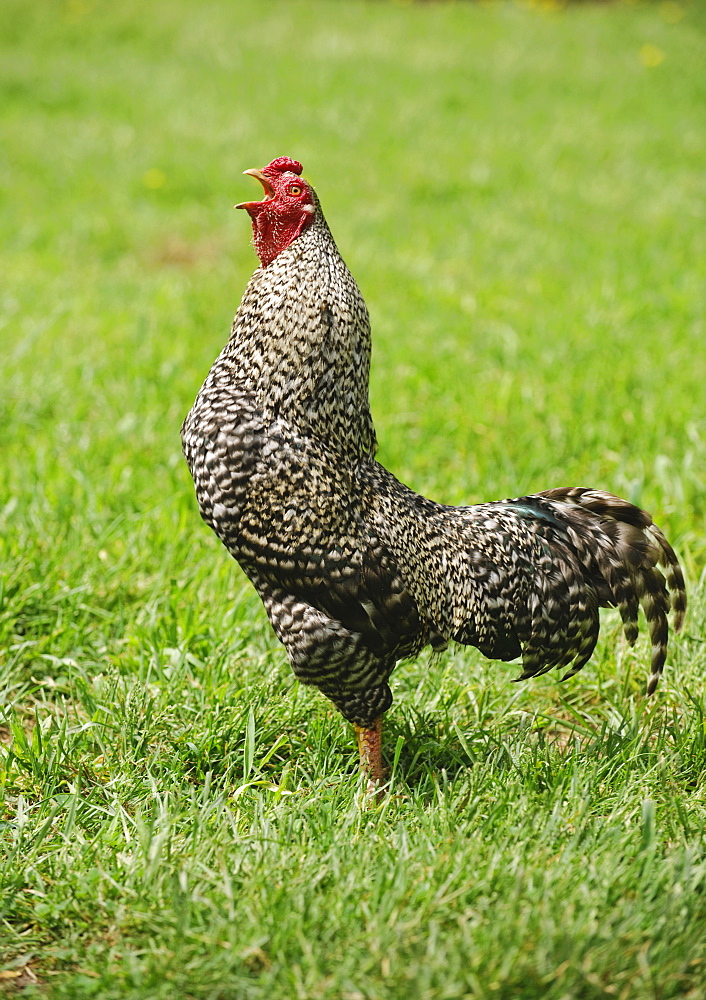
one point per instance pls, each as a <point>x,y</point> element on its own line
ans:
<point>520,192</point>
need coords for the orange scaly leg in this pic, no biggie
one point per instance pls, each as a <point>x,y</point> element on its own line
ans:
<point>370,750</point>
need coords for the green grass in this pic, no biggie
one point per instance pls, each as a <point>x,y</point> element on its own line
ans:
<point>522,201</point>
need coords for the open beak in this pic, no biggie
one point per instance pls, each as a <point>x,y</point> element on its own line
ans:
<point>269,191</point>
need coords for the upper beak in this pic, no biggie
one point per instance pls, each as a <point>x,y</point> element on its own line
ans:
<point>269,192</point>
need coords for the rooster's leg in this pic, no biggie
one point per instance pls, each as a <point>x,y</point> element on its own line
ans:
<point>370,749</point>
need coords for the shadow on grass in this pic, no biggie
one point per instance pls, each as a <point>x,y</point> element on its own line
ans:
<point>425,750</point>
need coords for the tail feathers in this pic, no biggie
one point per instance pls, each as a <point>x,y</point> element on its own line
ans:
<point>629,563</point>
<point>571,632</point>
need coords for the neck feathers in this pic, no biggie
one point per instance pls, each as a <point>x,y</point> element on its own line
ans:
<point>300,341</point>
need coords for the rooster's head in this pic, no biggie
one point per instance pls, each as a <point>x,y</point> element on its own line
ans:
<point>286,210</point>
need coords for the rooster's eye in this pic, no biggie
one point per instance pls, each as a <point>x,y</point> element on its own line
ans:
<point>295,190</point>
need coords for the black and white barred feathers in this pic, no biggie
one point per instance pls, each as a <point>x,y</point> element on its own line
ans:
<point>354,569</point>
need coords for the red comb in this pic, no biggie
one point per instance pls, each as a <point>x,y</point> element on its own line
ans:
<point>282,165</point>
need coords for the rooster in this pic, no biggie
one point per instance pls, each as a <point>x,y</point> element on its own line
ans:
<point>355,570</point>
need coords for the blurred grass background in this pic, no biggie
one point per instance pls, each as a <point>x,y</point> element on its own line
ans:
<point>520,193</point>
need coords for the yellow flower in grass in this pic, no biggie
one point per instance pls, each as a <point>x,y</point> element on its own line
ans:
<point>154,178</point>
<point>650,55</point>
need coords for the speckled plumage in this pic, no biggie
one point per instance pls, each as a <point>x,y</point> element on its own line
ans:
<point>354,569</point>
